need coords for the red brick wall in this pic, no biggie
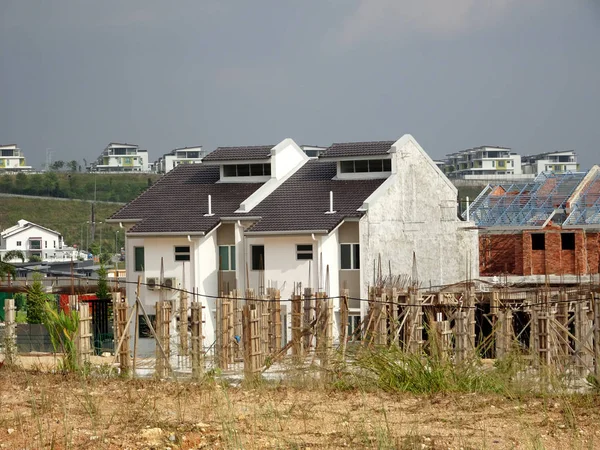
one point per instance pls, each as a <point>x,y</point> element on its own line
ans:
<point>512,254</point>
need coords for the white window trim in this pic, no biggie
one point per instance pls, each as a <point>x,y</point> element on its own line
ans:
<point>176,253</point>
<point>305,252</point>
<point>231,250</point>
<point>351,255</point>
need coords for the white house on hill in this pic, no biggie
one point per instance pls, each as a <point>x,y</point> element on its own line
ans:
<point>35,240</point>
<point>270,216</point>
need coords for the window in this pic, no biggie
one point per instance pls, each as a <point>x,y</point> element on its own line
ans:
<point>567,241</point>
<point>182,253</point>
<point>304,251</point>
<point>54,244</point>
<point>350,256</point>
<point>227,257</point>
<point>139,258</point>
<point>18,243</point>
<point>35,244</point>
<point>366,165</point>
<point>45,244</point>
<point>258,257</point>
<point>538,241</point>
<point>144,329</point>
<point>246,170</point>
<point>354,333</point>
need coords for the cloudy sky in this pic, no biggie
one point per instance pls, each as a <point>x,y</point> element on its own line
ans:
<point>76,75</point>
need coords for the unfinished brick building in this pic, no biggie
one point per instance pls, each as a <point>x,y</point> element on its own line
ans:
<point>548,227</point>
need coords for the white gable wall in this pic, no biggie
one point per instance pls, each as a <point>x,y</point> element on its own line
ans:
<point>415,211</point>
<point>200,272</point>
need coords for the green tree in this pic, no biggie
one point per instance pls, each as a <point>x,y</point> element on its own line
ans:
<point>36,299</point>
<point>57,165</point>
<point>21,302</point>
<point>72,166</point>
<point>35,258</point>
<point>7,269</point>
<point>14,254</point>
<point>102,293</point>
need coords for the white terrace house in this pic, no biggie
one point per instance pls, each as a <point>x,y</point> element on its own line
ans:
<point>557,162</point>
<point>12,159</point>
<point>483,163</point>
<point>184,155</point>
<point>258,217</point>
<point>121,158</point>
<point>35,240</point>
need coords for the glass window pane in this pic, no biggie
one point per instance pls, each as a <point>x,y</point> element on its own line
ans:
<point>361,165</point>
<point>258,257</point>
<point>356,256</point>
<point>375,165</point>
<point>256,170</point>
<point>223,257</point>
<point>139,259</point>
<point>243,170</point>
<point>387,165</point>
<point>346,166</point>
<point>232,257</point>
<point>229,170</point>
<point>345,256</point>
<point>304,247</point>
<point>267,169</point>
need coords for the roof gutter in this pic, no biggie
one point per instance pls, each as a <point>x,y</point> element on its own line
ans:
<point>166,233</point>
<point>284,233</point>
<point>123,221</point>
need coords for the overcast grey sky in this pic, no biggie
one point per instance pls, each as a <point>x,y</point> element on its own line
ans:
<point>78,74</point>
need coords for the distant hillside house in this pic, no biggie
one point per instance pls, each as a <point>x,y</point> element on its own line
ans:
<point>35,240</point>
<point>486,162</point>
<point>557,162</point>
<point>183,155</point>
<point>12,159</point>
<point>270,216</point>
<point>121,158</point>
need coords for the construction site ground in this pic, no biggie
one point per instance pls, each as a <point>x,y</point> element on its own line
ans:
<point>49,410</point>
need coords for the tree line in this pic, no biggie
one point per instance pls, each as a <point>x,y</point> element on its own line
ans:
<point>84,186</point>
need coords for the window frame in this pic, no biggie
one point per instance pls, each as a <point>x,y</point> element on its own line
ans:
<point>137,267</point>
<point>233,170</point>
<point>231,258</point>
<point>180,255</point>
<point>301,253</point>
<point>380,165</point>
<point>252,256</point>
<point>354,252</point>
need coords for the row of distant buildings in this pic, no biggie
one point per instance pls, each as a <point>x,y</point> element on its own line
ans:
<point>487,162</point>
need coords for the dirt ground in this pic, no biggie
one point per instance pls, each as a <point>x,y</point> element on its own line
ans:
<point>41,410</point>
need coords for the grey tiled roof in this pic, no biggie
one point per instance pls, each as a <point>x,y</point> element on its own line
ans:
<point>300,203</point>
<point>239,153</point>
<point>349,149</point>
<point>178,201</point>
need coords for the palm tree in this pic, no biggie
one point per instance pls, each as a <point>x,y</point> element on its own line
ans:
<point>14,254</point>
<point>6,269</point>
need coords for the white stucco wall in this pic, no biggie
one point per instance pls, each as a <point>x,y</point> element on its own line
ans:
<point>415,210</point>
<point>200,272</point>
<point>282,269</point>
<point>286,156</point>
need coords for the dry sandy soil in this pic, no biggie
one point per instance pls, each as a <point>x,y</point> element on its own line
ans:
<point>41,410</point>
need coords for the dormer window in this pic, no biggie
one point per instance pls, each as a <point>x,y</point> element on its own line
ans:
<point>366,165</point>
<point>246,170</point>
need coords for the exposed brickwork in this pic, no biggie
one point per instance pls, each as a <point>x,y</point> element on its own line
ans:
<point>513,254</point>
